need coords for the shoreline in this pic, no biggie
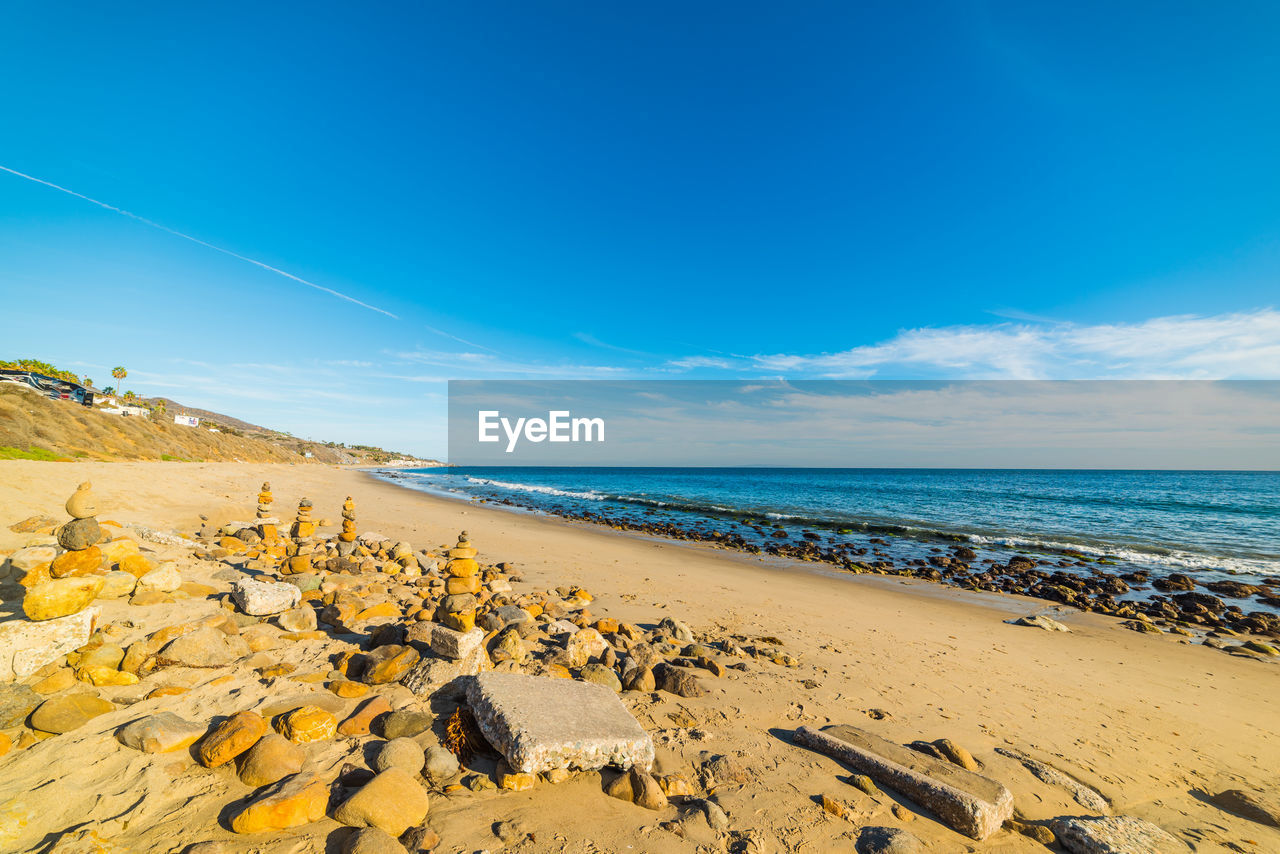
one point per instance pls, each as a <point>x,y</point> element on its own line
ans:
<point>1178,602</point>
<point>1148,721</point>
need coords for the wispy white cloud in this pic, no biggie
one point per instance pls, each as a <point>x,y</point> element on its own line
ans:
<point>1241,345</point>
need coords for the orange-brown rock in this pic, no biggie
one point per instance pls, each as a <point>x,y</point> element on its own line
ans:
<point>359,723</point>
<point>230,738</point>
<point>136,565</point>
<point>294,801</point>
<point>114,550</point>
<point>307,724</point>
<point>389,663</point>
<point>76,563</point>
<point>607,625</point>
<point>382,609</point>
<point>469,584</point>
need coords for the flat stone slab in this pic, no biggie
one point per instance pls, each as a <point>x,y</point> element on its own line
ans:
<point>26,645</point>
<point>538,723</point>
<point>444,641</point>
<point>969,803</point>
<point>1121,834</point>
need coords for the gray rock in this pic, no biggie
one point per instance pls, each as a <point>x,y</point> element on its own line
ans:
<point>445,642</point>
<point>676,629</point>
<point>887,840</point>
<point>26,645</point>
<point>967,802</point>
<point>441,764</point>
<point>402,753</point>
<point>1082,794</point>
<point>433,674</point>
<point>406,723</point>
<point>263,598</point>
<point>79,534</point>
<point>160,733</point>
<point>205,647</point>
<point>716,818</point>
<point>1120,834</point>
<point>16,703</point>
<point>678,681</point>
<point>1039,621</point>
<point>539,724</point>
<point>1251,805</point>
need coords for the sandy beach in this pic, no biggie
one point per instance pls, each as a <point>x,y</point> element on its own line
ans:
<point>1152,722</point>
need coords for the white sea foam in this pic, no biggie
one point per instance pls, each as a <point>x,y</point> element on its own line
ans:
<point>544,490</point>
<point>1171,559</point>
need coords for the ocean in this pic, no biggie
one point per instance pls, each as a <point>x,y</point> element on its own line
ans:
<point>1211,525</point>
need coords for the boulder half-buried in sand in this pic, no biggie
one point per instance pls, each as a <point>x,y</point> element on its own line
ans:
<point>969,803</point>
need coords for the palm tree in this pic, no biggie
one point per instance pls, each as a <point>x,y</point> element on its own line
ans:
<point>109,391</point>
<point>119,373</point>
<point>88,383</point>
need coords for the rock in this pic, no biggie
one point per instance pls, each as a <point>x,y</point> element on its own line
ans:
<point>642,679</point>
<point>678,681</point>
<point>82,504</point>
<point>968,803</point>
<point>306,724</point>
<point>508,646</point>
<point>264,598</point>
<point>79,534</point>
<point>436,674</point>
<point>17,702</point>
<point>1082,794</point>
<point>620,787</point>
<point>27,559</point>
<point>162,732</point>
<point>441,764</point>
<point>645,791</point>
<point>293,802</point>
<point>402,753</point>
<point>360,722</point>
<point>406,723</point>
<point>270,760</point>
<point>1038,832</point>
<point>117,585</point>
<point>600,675</point>
<point>389,663</point>
<point>165,578</point>
<point>76,563</point>
<point>64,714</point>
<point>1114,835</point>
<point>301,619</point>
<point>538,724</point>
<point>1039,621</point>
<point>1251,805</point>
<point>230,738</point>
<point>724,769</point>
<point>677,786</point>
<point>60,680</point>
<point>444,641</point>
<point>371,840</point>
<point>32,524</point>
<point>956,754</point>
<point>514,781</point>
<point>676,629</point>
<point>60,597</point>
<point>27,646</point>
<point>204,647</point>
<point>887,840</point>
<point>584,645</point>
<point>420,840</point>
<point>392,801</point>
<point>134,564</point>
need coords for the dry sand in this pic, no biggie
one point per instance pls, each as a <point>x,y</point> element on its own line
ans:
<point>1151,722</point>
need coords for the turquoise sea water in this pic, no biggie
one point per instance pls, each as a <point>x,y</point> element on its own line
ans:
<point>1211,524</point>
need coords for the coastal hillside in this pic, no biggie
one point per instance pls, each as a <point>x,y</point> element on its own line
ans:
<point>34,427</point>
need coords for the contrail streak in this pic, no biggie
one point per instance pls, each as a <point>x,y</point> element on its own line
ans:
<point>168,230</point>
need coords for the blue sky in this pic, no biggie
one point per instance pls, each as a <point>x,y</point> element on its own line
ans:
<point>570,190</point>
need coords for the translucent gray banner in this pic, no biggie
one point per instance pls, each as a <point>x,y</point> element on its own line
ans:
<point>1106,424</point>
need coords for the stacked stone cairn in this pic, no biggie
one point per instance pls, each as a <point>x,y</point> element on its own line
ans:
<point>70,581</point>
<point>347,538</point>
<point>457,610</point>
<point>266,525</point>
<point>303,526</point>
